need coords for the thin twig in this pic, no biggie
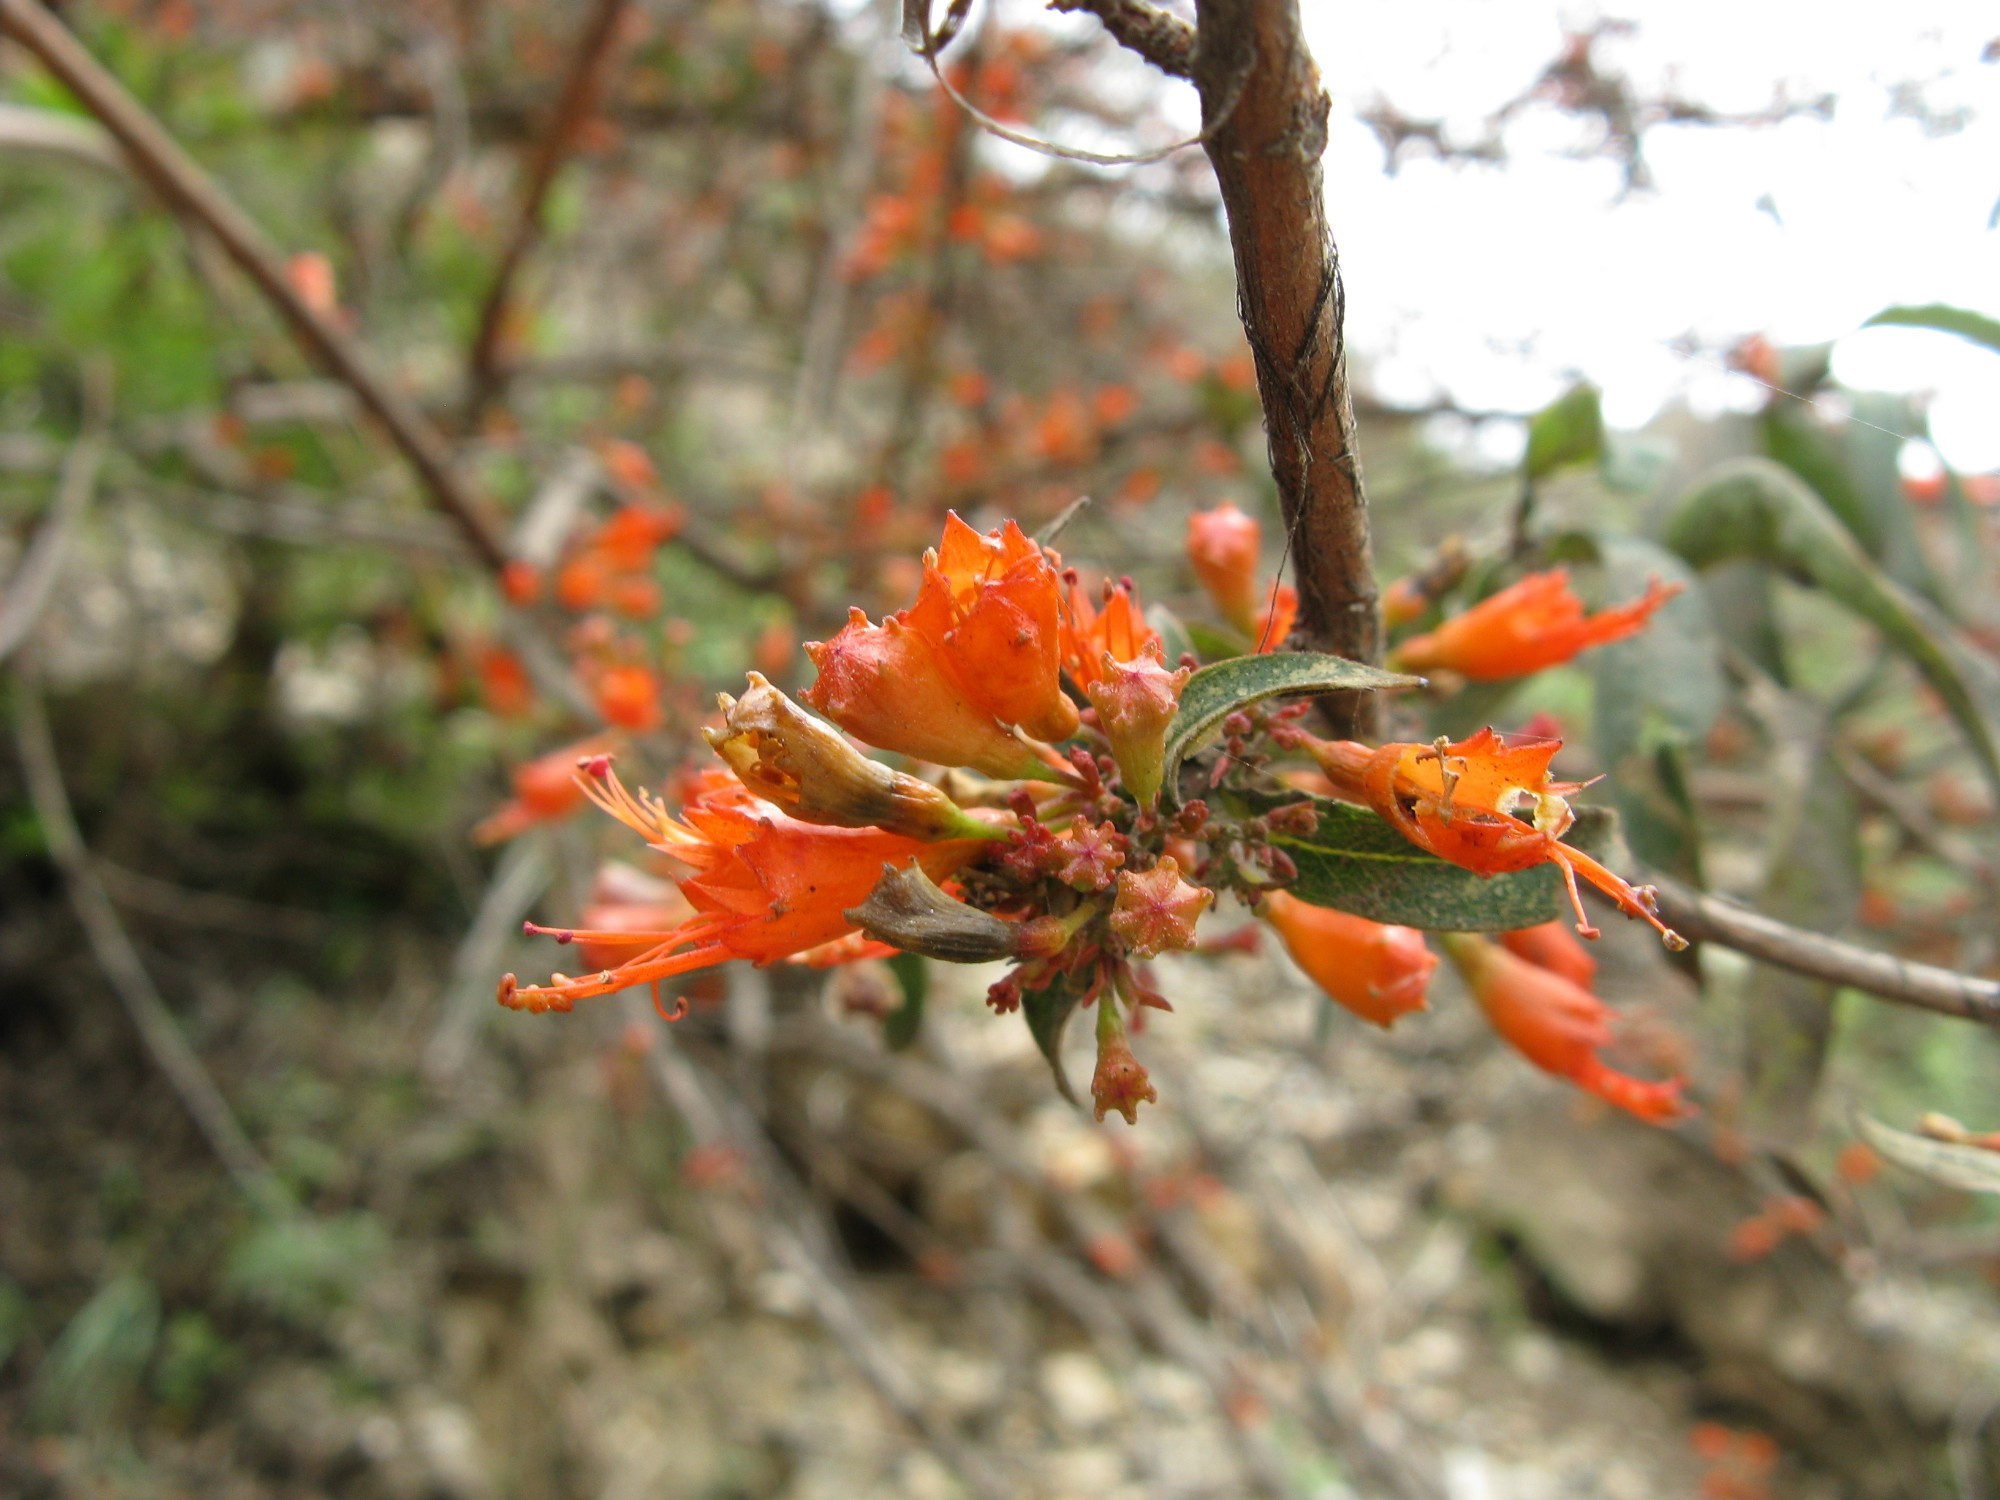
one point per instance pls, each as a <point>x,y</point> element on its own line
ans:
<point>484,378</point>
<point>34,582</point>
<point>121,963</point>
<point>523,874</point>
<point>190,192</point>
<point>713,1115</point>
<point>826,316</point>
<point>211,909</point>
<point>1162,38</point>
<point>1705,918</point>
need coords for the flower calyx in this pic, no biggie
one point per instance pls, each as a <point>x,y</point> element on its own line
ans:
<point>805,766</point>
<point>1136,702</point>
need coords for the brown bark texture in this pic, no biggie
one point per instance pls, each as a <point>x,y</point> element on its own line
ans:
<point>1264,115</point>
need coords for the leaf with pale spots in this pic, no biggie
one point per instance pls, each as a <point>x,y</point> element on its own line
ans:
<point>1357,862</point>
<point>1225,687</point>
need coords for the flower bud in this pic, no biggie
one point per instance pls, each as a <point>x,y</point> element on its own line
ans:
<point>1119,1081</point>
<point>1222,544</point>
<point>1376,971</point>
<point>1157,910</point>
<point>908,910</point>
<point>1135,702</point>
<point>784,755</point>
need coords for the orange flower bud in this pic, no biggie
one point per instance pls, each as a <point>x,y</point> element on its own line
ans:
<point>1223,545</point>
<point>546,789</point>
<point>1135,702</point>
<point>1119,1081</point>
<point>1527,626</point>
<point>1552,946</point>
<point>629,696</point>
<point>1556,1025</point>
<point>1157,910</point>
<point>804,765</point>
<point>1377,971</point>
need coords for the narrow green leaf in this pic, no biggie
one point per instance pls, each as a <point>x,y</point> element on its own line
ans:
<point>901,1025</point>
<point>1219,690</point>
<point>1967,324</point>
<point>1971,1169</point>
<point>1570,430</point>
<point>1047,1013</point>
<point>1753,508</point>
<point>1356,862</point>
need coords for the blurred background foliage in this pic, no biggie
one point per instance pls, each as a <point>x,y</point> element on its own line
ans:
<point>783,299</point>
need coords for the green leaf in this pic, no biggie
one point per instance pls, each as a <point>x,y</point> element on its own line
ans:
<point>901,1025</point>
<point>1176,636</point>
<point>1653,696</point>
<point>1854,470</point>
<point>1214,642</point>
<point>1047,1013</point>
<point>1219,690</point>
<point>97,1361</point>
<point>1570,430</point>
<point>1977,327</point>
<point>1357,862</point>
<point>1753,508</point>
<point>1813,859</point>
<point>1971,1169</point>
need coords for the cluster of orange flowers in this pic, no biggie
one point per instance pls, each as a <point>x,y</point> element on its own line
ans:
<point>1035,824</point>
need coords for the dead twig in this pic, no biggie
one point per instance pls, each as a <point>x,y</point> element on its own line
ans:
<point>1704,918</point>
<point>190,192</point>
<point>483,377</point>
<point>796,1240</point>
<point>33,584</point>
<point>121,963</point>
<point>1162,38</point>
<point>524,873</point>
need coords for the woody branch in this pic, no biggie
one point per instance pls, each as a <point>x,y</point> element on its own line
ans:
<point>1264,113</point>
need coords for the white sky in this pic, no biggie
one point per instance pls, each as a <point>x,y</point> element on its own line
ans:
<point>1496,285</point>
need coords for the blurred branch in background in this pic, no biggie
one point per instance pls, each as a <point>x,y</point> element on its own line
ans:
<point>190,192</point>
<point>120,961</point>
<point>485,373</point>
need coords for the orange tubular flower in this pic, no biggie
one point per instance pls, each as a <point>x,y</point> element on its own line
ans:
<point>1376,971</point>
<point>763,886</point>
<point>993,605</point>
<point>1527,626</point>
<point>1553,947</point>
<point>1223,544</point>
<point>1119,629</point>
<point>979,652</point>
<point>545,790</point>
<point>1556,1025</point>
<point>1458,802</point>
